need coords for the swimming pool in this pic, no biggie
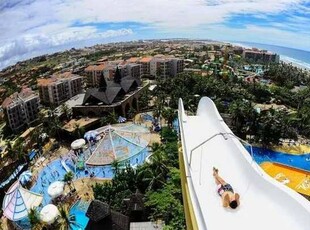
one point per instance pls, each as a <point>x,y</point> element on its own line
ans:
<point>55,171</point>
<point>79,210</point>
<point>266,155</point>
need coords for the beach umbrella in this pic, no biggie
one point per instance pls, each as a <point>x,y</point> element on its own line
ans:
<point>121,119</point>
<point>92,134</point>
<point>25,177</point>
<point>56,189</point>
<point>78,144</point>
<point>49,213</point>
<point>18,201</point>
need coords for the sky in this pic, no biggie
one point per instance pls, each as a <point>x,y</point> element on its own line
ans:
<point>35,27</point>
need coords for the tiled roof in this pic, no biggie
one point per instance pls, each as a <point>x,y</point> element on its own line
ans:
<point>133,59</point>
<point>146,59</point>
<point>7,101</point>
<point>25,93</point>
<point>45,81</point>
<point>95,67</point>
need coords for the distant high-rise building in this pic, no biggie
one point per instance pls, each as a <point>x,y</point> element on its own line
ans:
<point>59,88</point>
<point>21,109</point>
<point>260,56</point>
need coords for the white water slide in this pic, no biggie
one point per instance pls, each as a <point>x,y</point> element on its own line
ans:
<point>264,203</point>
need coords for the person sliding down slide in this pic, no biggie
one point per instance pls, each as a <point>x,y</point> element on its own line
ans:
<point>226,192</point>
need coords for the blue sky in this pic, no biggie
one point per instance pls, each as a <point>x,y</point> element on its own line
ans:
<point>33,27</point>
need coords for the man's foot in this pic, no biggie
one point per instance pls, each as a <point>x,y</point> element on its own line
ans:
<point>215,171</point>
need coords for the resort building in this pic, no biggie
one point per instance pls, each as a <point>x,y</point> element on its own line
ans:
<point>134,70</point>
<point>163,66</point>
<point>260,56</point>
<point>145,66</point>
<point>59,88</point>
<point>160,67</point>
<point>94,72</point>
<point>21,109</point>
<point>177,66</point>
<point>119,95</point>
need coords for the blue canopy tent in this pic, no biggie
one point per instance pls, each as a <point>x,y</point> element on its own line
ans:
<point>25,177</point>
<point>91,135</point>
<point>121,119</point>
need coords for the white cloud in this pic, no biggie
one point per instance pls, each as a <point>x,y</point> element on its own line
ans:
<point>27,44</point>
<point>33,25</point>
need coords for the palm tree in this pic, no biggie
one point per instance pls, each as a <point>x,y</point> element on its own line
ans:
<point>156,172</point>
<point>131,113</point>
<point>9,149</point>
<point>115,165</point>
<point>68,179</point>
<point>64,108</point>
<point>169,115</point>
<point>34,219</point>
<point>111,118</point>
<point>66,221</point>
<point>20,150</point>
<point>78,130</point>
<point>52,125</point>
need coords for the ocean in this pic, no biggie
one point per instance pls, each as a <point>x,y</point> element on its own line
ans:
<point>298,57</point>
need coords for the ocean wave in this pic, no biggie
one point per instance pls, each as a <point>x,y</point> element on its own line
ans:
<point>296,62</point>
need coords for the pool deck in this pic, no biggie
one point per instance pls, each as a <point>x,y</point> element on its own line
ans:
<point>296,179</point>
<point>83,187</point>
<point>297,149</point>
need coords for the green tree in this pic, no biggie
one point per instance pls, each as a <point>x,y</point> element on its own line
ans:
<point>78,130</point>
<point>169,115</point>
<point>64,109</point>
<point>20,149</point>
<point>144,99</point>
<point>117,76</point>
<point>166,204</point>
<point>66,221</point>
<point>131,113</point>
<point>68,179</point>
<point>34,219</point>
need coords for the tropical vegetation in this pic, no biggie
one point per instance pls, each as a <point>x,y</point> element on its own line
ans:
<point>158,179</point>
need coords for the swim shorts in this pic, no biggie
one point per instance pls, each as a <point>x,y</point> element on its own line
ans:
<point>224,188</point>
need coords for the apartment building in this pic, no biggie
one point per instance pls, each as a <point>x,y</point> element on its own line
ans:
<point>166,66</point>
<point>93,73</point>
<point>260,56</point>
<point>160,67</point>
<point>59,88</point>
<point>21,109</point>
<point>145,63</point>
<point>134,70</point>
<point>177,66</point>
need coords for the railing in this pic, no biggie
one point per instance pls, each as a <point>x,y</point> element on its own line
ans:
<point>195,202</point>
<point>210,138</point>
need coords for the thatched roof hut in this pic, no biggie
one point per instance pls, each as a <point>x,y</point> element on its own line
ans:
<point>102,217</point>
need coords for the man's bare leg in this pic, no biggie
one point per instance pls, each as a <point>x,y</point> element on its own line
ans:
<point>218,179</point>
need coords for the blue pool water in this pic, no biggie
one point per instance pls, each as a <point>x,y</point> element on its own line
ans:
<point>54,171</point>
<point>79,210</point>
<point>266,155</point>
